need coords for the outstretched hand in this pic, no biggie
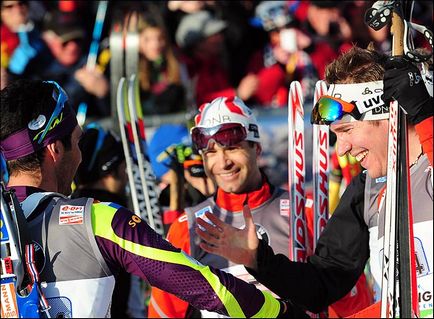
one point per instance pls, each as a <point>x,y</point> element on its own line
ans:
<point>237,245</point>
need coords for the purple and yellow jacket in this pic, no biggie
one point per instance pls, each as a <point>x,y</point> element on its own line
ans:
<point>82,244</point>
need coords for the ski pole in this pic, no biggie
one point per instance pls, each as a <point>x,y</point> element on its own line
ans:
<point>96,36</point>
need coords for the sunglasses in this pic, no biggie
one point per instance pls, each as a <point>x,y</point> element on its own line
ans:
<point>329,109</point>
<point>227,135</point>
<point>99,143</point>
<point>60,96</point>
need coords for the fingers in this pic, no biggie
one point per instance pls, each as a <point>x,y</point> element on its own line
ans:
<point>206,236</point>
<point>248,218</point>
<point>398,62</point>
<point>208,248</point>
<point>215,220</point>
<point>209,230</point>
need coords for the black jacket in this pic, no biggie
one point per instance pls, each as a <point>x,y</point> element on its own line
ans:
<point>340,257</point>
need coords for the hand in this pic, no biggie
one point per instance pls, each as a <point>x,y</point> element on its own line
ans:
<point>247,87</point>
<point>93,81</point>
<point>204,184</point>
<point>237,245</point>
<point>403,83</point>
<point>289,310</point>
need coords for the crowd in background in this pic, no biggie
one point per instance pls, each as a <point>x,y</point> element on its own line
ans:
<point>190,51</point>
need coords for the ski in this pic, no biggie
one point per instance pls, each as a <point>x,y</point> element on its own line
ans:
<point>131,45</point>
<point>320,170</point>
<point>116,64</point>
<point>399,283</point>
<point>408,291</point>
<point>296,174</point>
<point>21,295</point>
<point>128,149</point>
<point>12,264</point>
<point>146,174</point>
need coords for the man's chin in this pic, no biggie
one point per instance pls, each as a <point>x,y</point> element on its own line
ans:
<point>375,174</point>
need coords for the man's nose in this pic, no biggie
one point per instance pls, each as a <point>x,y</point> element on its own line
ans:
<point>342,147</point>
<point>223,159</point>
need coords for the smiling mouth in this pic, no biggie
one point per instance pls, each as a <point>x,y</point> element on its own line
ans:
<point>227,174</point>
<point>360,157</point>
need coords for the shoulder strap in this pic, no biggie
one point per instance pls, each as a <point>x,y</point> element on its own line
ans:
<point>30,204</point>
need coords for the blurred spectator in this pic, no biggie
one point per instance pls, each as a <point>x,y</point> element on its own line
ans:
<point>362,34</point>
<point>101,175</point>
<point>282,60</point>
<point>163,79</point>
<point>21,44</point>
<point>200,36</point>
<point>329,32</point>
<point>66,39</point>
<point>179,170</point>
<point>176,10</point>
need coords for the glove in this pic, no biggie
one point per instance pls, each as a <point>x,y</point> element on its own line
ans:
<point>21,55</point>
<point>403,83</point>
<point>289,310</point>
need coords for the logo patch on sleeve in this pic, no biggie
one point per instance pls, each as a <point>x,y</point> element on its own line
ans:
<point>284,207</point>
<point>71,215</point>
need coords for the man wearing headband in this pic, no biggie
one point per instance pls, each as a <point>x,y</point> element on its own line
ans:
<point>227,136</point>
<point>85,243</point>
<point>356,109</point>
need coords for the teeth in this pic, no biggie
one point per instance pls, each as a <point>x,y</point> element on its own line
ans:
<point>361,156</point>
<point>227,174</point>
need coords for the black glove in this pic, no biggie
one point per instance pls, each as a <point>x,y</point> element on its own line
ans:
<point>403,83</point>
<point>289,310</point>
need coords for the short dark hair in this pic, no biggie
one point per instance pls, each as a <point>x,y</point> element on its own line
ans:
<point>22,101</point>
<point>357,65</point>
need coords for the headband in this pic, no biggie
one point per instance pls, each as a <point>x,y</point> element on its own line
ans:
<point>40,132</point>
<point>366,96</point>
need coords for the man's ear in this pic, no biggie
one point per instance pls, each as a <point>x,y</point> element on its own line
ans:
<point>55,150</point>
<point>258,149</point>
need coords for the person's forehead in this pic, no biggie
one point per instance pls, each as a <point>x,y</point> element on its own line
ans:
<point>6,3</point>
<point>337,127</point>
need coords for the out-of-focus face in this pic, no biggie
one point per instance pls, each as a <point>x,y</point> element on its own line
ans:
<point>211,46</point>
<point>234,169</point>
<point>152,43</point>
<point>366,141</point>
<point>68,166</point>
<point>67,53</point>
<point>14,14</point>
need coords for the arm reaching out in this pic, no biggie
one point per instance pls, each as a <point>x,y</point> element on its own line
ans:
<point>238,245</point>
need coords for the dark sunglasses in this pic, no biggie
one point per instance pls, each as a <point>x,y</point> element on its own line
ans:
<point>229,134</point>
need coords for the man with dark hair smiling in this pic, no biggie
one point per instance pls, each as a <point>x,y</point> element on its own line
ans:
<point>354,233</point>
